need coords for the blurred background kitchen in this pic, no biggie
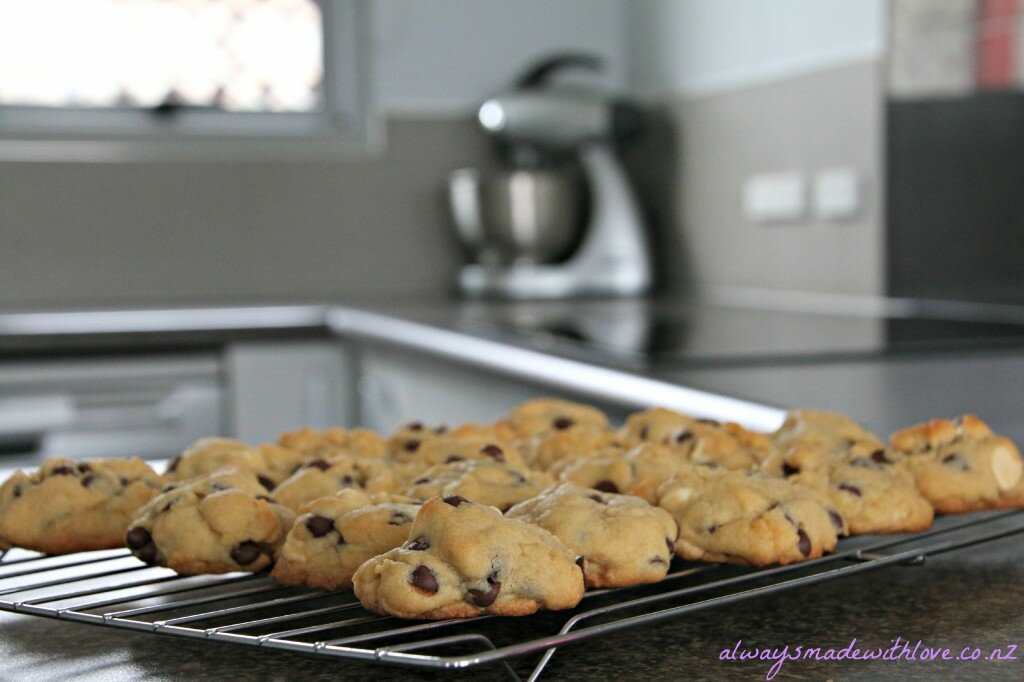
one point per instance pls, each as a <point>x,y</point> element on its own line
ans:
<point>835,183</point>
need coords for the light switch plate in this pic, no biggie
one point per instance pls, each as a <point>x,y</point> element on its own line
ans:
<point>837,194</point>
<point>775,197</point>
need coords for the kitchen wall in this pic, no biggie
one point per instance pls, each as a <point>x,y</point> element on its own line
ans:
<point>749,89</point>
<point>123,233</point>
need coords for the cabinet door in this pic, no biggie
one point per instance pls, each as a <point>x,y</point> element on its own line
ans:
<point>278,386</point>
<point>397,386</point>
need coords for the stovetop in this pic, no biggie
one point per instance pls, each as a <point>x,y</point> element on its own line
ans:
<point>705,334</point>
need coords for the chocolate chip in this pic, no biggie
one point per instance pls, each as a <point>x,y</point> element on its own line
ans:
<point>671,546</point>
<point>124,482</point>
<point>419,544</point>
<point>788,470</point>
<point>709,422</point>
<point>266,498</point>
<point>141,543</point>
<point>87,480</point>
<point>167,489</point>
<point>167,507</point>
<point>217,485</point>
<point>956,460</point>
<point>317,464</point>
<point>926,447</point>
<point>712,528</point>
<point>596,498</point>
<point>879,456</point>
<point>562,423</point>
<point>244,553</point>
<point>346,480</point>
<point>84,468</point>
<point>398,518</point>
<point>441,429</point>
<point>137,538</point>
<point>852,489</point>
<point>63,471</point>
<point>517,477</point>
<point>644,432</point>
<point>173,464</point>
<point>424,580</point>
<point>606,487</point>
<point>454,500</point>
<point>412,445</point>
<point>682,437</point>
<point>494,452</point>
<point>17,491</point>
<point>414,426</point>
<point>836,520</point>
<point>421,480</point>
<point>265,482</point>
<point>319,526</point>
<point>454,458</point>
<point>581,562</point>
<point>484,598</point>
<point>803,542</point>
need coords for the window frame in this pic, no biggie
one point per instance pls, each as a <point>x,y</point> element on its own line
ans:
<point>341,128</point>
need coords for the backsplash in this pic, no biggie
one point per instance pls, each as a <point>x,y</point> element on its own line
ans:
<point>133,233</point>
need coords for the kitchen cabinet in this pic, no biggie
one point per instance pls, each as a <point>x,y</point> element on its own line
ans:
<point>277,386</point>
<point>397,385</point>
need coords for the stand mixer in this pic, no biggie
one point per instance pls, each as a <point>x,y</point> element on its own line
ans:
<point>544,132</point>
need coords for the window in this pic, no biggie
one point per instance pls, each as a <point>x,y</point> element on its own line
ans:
<point>118,78</point>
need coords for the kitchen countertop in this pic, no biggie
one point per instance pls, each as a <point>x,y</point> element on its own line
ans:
<point>968,597</point>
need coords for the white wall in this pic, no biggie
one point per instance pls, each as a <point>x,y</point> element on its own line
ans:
<point>700,47</point>
<point>446,56</point>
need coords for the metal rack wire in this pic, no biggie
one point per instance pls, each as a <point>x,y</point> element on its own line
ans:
<point>111,588</point>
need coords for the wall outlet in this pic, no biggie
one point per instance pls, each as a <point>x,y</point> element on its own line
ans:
<point>775,197</point>
<point>837,194</point>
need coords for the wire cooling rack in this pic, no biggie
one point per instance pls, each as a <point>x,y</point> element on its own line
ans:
<point>113,589</point>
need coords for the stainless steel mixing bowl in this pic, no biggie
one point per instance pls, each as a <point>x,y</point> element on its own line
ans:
<point>517,215</point>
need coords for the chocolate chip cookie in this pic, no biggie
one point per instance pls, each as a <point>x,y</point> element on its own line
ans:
<point>622,540</point>
<point>545,415</point>
<point>830,431</point>
<point>449,448</point>
<point>960,465</point>
<point>271,463</point>
<point>748,519</point>
<point>318,478</point>
<point>70,506</point>
<point>328,443</point>
<point>869,493</point>
<point>333,536</point>
<point>218,523</point>
<point>702,441</point>
<point>464,559</point>
<point>545,451</point>
<point>483,482</point>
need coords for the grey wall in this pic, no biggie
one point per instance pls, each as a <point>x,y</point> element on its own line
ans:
<point>825,119</point>
<point>146,232</point>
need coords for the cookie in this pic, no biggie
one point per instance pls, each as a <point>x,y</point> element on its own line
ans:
<point>271,463</point>
<point>328,443</point>
<point>333,536</point>
<point>545,415</point>
<point>623,540</point>
<point>961,465</point>
<point>702,441</point>
<point>449,448</point>
<point>831,431</point>
<point>748,519</point>
<point>464,559</point>
<point>318,478</point>
<point>68,506</point>
<point>408,438</point>
<point>871,496</point>
<point>219,523</point>
<point>544,451</point>
<point>483,482</point>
